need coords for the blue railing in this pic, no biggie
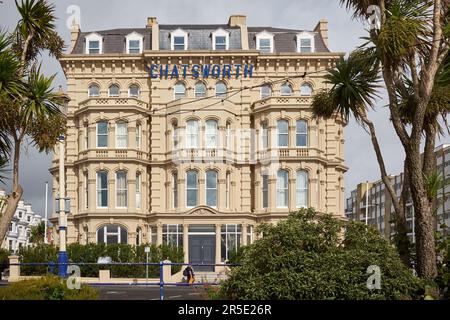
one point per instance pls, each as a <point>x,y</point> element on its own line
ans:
<point>52,265</point>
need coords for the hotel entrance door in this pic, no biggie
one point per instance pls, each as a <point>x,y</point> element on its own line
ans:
<point>202,247</point>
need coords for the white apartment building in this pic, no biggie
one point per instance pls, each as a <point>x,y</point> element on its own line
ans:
<point>20,228</point>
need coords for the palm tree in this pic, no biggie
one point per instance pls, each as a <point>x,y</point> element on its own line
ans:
<point>33,110</point>
<point>412,42</point>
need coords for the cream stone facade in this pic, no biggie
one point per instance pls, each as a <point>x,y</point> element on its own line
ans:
<point>194,161</point>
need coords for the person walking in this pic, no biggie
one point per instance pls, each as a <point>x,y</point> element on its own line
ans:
<point>189,273</point>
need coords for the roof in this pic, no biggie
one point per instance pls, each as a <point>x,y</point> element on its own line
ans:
<point>199,38</point>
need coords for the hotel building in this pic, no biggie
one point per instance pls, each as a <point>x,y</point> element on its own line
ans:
<point>192,135</point>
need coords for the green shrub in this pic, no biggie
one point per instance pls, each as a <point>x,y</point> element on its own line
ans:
<point>315,256</point>
<point>91,252</point>
<point>443,253</point>
<point>4,259</point>
<point>46,288</point>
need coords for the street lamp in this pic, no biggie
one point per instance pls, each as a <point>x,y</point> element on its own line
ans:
<point>63,207</point>
<point>147,251</point>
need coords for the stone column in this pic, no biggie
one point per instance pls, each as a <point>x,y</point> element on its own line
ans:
<point>201,193</point>
<point>272,193</point>
<point>159,236</point>
<point>14,270</point>
<point>186,242</point>
<point>218,247</point>
<point>292,194</point>
<point>131,196</point>
<point>92,196</point>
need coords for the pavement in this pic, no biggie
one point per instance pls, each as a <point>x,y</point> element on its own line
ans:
<point>133,292</point>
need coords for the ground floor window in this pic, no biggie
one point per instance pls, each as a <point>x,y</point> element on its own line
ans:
<point>154,234</point>
<point>112,234</point>
<point>249,235</point>
<point>173,235</point>
<point>230,240</point>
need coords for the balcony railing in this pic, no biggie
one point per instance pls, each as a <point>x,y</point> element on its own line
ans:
<point>112,153</point>
<point>113,101</point>
<point>284,101</point>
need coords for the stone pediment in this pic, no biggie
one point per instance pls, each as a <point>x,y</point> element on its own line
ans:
<point>202,210</point>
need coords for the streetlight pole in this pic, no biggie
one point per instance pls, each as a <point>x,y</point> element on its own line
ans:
<point>62,254</point>
<point>46,213</point>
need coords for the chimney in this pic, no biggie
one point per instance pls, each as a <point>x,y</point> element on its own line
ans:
<point>240,20</point>
<point>74,33</point>
<point>322,28</point>
<point>153,23</point>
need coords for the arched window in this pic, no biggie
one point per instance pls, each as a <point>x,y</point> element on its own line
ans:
<point>211,188</point>
<point>94,90</point>
<point>113,90</point>
<point>302,189</point>
<point>102,189</point>
<point>102,134</point>
<point>266,91</point>
<point>192,134</point>
<point>306,90</point>
<point>200,90</point>
<point>265,190</point>
<point>121,189</point>
<point>121,135</point>
<point>133,91</point>
<point>179,91</point>
<point>211,134</point>
<point>301,133</point>
<point>283,133</point>
<point>112,234</point>
<point>221,89</point>
<point>264,136</point>
<point>191,188</point>
<point>282,189</point>
<point>286,90</point>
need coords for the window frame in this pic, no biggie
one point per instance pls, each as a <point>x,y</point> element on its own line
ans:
<point>279,134</point>
<point>118,91</point>
<point>286,85</point>
<point>190,188</point>
<point>265,190</point>
<point>175,93</point>
<point>195,135</point>
<point>220,33</point>
<point>214,133</point>
<point>299,188</point>
<point>125,189</point>
<point>179,33</point>
<point>212,189</point>
<point>93,37</point>
<point>118,123</point>
<point>221,95</point>
<point>284,189</point>
<point>119,232</point>
<point>99,189</point>
<point>89,90</point>
<point>102,134</point>
<point>138,134</point>
<point>264,35</point>
<point>262,95</point>
<point>297,133</point>
<point>129,91</point>
<point>138,190</point>
<point>303,86</point>
<point>302,36</point>
<point>196,91</point>
<point>175,192</point>
<point>134,36</point>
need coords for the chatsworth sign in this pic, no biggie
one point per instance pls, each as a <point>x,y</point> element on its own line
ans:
<point>173,71</point>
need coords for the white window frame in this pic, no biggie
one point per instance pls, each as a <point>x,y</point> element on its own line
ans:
<point>286,84</point>
<point>264,35</point>
<point>196,92</point>
<point>117,135</point>
<point>216,189</point>
<point>86,190</point>
<point>109,90</point>
<point>178,233</point>
<point>299,189</point>
<point>301,133</point>
<point>96,134</point>
<point>221,94</point>
<point>129,92</point>
<point>227,189</point>
<point>89,90</point>
<point>261,91</point>
<point>237,236</point>
<point>106,233</point>
<point>86,137</point>
<point>286,134</point>
<point>213,133</point>
<point>264,135</point>
<point>282,189</point>
<point>178,33</point>
<point>98,188</point>
<point>303,86</point>
<point>138,190</point>
<point>221,33</point>
<point>305,35</point>
<point>264,190</point>
<point>175,193</point>
<point>175,93</point>
<point>193,134</point>
<point>138,136</point>
<point>91,38</point>
<point>187,188</point>
<point>134,36</point>
<point>125,189</point>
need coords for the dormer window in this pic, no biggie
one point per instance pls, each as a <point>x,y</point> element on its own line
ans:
<point>94,43</point>
<point>264,42</point>
<point>221,39</point>
<point>179,40</point>
<point>305,42</point>
<point>134,43</point>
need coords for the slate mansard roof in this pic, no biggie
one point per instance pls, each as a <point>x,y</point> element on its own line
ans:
<point>199,38</point>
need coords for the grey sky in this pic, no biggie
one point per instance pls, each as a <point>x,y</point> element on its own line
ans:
<point>344,36</point>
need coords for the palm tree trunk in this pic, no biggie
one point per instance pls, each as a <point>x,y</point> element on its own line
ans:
<point>16,195</point>
<point>403,245</point>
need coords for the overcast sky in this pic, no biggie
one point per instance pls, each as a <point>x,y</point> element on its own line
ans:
<point>344,35</point>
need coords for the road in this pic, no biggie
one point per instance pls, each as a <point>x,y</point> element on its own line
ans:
<point>132,292</point>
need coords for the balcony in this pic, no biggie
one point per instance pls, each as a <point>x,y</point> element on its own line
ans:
<point>112,153</point>
<point>294,101</point>
<point>113,101</point>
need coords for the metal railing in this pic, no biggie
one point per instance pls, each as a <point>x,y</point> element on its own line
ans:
<point>52,269</point>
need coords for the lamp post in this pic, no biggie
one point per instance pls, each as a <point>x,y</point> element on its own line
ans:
<point>147,250</point>
<point>46,213</point>
<point>367,201</point>
<point>62,221</point>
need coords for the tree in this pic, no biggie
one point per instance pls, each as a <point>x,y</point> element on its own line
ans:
<point>409,50</point>
<point>38,233</point>
<point>316,256</point>
<point>29,108</point>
